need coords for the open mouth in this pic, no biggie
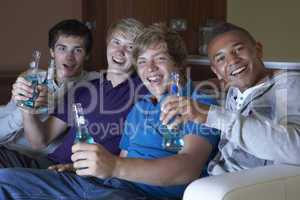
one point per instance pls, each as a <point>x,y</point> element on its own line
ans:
<point>238,70</point>
<point>118,60</point>
<point>155,79</point>
<point>69,67</point>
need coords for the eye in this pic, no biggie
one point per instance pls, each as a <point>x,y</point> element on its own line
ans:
<point>162,59</point>
<point>78,50</point>
<point>239,48</point>
<point>130,47</point>
<point>60,48</point>
<point>141,62</point>
<point>219,59</point>
<point>115,42</point>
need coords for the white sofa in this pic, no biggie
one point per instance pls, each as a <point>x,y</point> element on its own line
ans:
<point>277,182</point>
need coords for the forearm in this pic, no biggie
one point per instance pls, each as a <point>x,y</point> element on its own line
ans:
<point>181,168</point>
<point>10,124</point>
<point>162,172</point>
<point>260,136</point>
<point>35,131</point>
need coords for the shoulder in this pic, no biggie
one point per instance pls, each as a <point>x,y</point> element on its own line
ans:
<point>92,75</point>
<point>289,78</point>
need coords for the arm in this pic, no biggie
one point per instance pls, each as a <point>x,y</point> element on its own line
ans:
<point>260,136</point>
<point>182,168</point>
<point>11,121</point>
<point>41,134</point>
<point>178,169</point>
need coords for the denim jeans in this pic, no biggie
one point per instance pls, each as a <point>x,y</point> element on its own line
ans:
<point>41,184</point>
<point>23,177</point>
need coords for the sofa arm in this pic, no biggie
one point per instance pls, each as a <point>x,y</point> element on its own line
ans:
<point>276,182</point>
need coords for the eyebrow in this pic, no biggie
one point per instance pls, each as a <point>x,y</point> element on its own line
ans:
<point>234,45</point>
<point>63,45</point>
<point>156,54</point>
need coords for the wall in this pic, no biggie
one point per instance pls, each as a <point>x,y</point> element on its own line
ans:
<point>105,12</point>
<point>274,23</point>
<point>25,25</point>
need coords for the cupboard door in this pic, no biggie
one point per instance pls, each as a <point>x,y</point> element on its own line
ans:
<point>104,12</point>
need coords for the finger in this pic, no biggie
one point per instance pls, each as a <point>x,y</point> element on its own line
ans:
<point>81,146</point>
<point>43,90</point>
<point>82,164</point>
<point>168,100</point>
<point>22,80</point>
<point>54,167</point>
<point>81,155</point>
<point>83,172</point>
<point>66,167</point>
<point>168,117</point>
<point>176,123</point>
<point>20,88</point>
<point>41,101</point>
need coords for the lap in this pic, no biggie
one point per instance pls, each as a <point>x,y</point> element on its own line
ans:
<point>45,184</point>
<point>12,158</point>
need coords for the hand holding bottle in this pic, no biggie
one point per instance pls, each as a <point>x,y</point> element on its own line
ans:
<point>183,109</point>
<point>22,91</point>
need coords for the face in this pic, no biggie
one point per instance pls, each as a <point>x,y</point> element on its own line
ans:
<point>154,66</point>
<point>236,60</point>
<point>69,54</point>
<point>119,53</point>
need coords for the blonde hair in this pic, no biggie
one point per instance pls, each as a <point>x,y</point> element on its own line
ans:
<point>158,33</point>
<point>128,26</point>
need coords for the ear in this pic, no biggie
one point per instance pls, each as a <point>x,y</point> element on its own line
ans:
<point>51,53</point>
<point>259,50</point>
<point>216,72</point>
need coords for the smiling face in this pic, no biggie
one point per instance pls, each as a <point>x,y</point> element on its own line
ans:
<point>69,54</point>
<point>119,53</point>
<point>154,66</point>
<point>236,60</point>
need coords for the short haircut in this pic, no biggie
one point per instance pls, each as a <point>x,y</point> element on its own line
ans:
<point>226,27</point>
<point>70,27</point>
<point>157,33</point>
<point>128,26</point>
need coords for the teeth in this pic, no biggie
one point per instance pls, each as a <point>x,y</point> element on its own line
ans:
<point>154,78</point>
<point>68,66</point>
<point>239,70</point>
<point>118,60</point>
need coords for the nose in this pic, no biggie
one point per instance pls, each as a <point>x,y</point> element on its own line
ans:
<point>232,58</point>
<point>152,66</point>
<point>121,50</point>
<point>70,55</point>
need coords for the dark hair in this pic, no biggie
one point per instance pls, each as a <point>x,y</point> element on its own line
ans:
<point>226,27</point>
<point>70,27</point>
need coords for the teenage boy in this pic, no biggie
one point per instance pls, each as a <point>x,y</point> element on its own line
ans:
<point>260,123</point>
<point>69,69</point>
<point>144,168</point>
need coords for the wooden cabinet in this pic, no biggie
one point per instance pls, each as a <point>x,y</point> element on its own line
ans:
<point>7,78</point>
<point>103,12</point>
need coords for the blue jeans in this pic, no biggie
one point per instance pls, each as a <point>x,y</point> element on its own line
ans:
<point>41,184</point>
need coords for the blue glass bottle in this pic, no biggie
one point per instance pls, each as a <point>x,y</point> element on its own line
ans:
<point>82,133</point>
<point>32,75</point>
<point>172,139</point>
<point>50,83</point>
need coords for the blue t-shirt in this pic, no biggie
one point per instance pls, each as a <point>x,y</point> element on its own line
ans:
<point>142,140</point>
<point>105,109</point>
